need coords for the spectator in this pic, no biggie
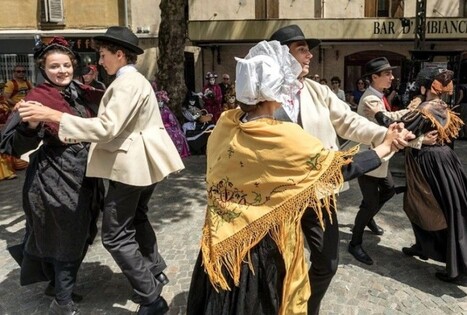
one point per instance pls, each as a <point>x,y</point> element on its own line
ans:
<point>323,81</point>
<point>225,84</point>
<point>230,101</point>
<point>212,96</point>
<point>90,78</point>
<point>360,87</point>
<point>335,87</point>
<point>17,88</point>
<point>14,91</point>
<point>198,125</point>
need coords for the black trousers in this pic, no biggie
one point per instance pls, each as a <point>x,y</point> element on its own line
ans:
<point>64,280</point>
<point>375,192</point>
<point>324,254</point>
<point>128,236</point>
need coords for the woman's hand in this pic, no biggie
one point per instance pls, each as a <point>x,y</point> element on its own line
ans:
<point>33,112</point>
<point>391,143</point>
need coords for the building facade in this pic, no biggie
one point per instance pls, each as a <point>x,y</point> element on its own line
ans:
<point>78,22</point>
<point>352,31</point>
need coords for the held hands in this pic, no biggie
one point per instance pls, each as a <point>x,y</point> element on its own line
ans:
<point>34,112</point>
<point>404,137</point>
<point>394,140</point>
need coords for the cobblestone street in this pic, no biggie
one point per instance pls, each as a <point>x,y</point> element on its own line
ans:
<point>395,284</point>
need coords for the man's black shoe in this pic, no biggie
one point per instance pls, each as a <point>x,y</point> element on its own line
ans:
<point>375,228</point>
<point>162,278</point>
<point>459,280</point>
<point>359,254</point>
<point>158,307</point>
<point>414,251</point>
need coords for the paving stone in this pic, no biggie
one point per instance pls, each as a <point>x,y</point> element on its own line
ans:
<point>394,285</point>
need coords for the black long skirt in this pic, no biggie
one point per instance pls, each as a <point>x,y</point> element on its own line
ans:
<point>445,175</point>
<point>258,293</point>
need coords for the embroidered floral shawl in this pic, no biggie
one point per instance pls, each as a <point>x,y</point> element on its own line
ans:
<point>261,176</point>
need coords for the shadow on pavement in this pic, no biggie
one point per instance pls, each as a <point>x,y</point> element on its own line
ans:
<point>393,264</point>
<point>94,281</point>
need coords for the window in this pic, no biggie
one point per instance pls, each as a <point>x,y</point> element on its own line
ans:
<point>266,9</point>
<point>384,8</point>
<point>52,11</point>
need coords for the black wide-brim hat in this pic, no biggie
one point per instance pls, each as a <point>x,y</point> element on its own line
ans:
<point>121,36</point>
<point>377,65</point>
<point>293,33</point>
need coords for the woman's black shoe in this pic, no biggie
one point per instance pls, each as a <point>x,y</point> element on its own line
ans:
<point>67,309</point>
<point>158,307</point>
<point>414,251</point>
<point>459,280</point>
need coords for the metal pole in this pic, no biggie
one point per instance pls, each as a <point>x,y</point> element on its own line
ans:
<point>420,25</point>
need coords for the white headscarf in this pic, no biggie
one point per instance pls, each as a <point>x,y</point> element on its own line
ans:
<point>268,73</point>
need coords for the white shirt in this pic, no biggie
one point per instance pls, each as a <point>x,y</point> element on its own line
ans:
<point>126,69</point>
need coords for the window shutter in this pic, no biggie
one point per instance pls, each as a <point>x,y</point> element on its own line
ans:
<point>53,10</point>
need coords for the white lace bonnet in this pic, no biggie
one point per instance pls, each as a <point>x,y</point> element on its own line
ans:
<point>268,73</point>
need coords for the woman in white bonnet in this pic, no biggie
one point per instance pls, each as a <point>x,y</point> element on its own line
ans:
<point>261,175</point>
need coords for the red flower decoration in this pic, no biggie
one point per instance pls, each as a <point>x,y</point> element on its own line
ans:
<point>59,41</point>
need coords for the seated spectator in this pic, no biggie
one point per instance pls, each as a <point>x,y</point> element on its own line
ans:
<point>172,125</point>
<point>198,124</point>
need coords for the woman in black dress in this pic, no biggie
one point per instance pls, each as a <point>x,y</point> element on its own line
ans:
<point>59,201</point>
<point>436,196</point>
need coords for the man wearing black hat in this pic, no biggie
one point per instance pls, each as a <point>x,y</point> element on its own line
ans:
<point>377,186</point>
<point>321,113</point>
<point>131,148</point>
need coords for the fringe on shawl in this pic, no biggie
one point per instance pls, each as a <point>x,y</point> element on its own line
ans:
<point>229,254</point>
<point>450,130</point>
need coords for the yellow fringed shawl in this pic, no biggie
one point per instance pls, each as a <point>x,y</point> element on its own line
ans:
<point>261,176</point>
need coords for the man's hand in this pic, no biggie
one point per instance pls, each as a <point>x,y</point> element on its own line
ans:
<point>32,111</point>
<point>404,137</point>
<point>430,137</point>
